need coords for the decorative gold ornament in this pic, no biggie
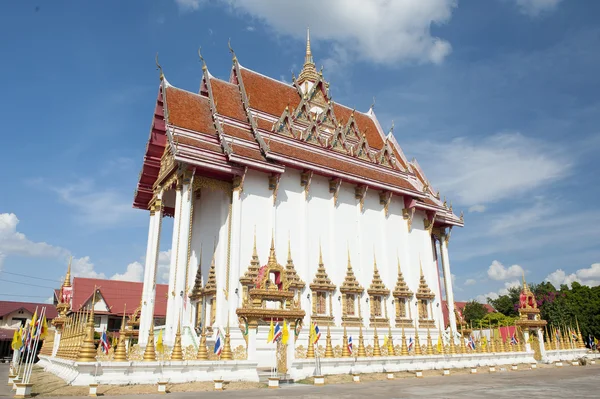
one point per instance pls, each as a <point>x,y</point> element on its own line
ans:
<point>390,343</point>
<point>376,348</point>
<point>87,353</point>
<point>310,353</point>
<point>202,350</point>
<point>345,350</point>
<point>361,344</point>
<point>226,354</point>
<point>177,353</point>
<point>328,347</point>
<point>404,347</point>
<point>418,350</point>
<point>150,352</point>
<point>121,351</point>
<point>429,343</point>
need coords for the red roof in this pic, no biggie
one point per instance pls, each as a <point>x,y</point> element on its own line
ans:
<point>117,295</point>
<point>461,306</point>
<point>240,133</point>
<point>7,307</point>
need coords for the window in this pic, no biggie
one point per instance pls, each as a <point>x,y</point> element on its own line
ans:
<point>114,324</point>
<point>21,320</point>
<point>97,322</point>
<point>321,302</point>
<point>350,311</point>
<point>377,306</point>
<point>423,311</point>
<point>401,307</point>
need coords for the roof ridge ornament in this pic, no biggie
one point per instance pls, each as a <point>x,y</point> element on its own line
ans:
<point>231,51</point>
<point>309,70</point>
<point>204,68</point>
<point>159,68</point>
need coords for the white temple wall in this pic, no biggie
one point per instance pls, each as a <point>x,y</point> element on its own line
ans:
<point>307,223</point>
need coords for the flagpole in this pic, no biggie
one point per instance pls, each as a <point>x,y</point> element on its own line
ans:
<point>27,375</point>
<point>28,347</point>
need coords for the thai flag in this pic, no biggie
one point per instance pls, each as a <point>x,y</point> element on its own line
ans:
<point>573,336</point>
<point>277,333</point>
<point>218,344</point>
<point>410,343</point>
<point>104,343</point>
<point>471,343</point>
<point>513,339</point>
<point>317,333</point>
<point>350,344</point>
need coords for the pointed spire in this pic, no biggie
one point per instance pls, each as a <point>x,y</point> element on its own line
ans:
<point>309,71</point>
<point>198,283</point>
<point>249,278</point>
<point>401,290</point>
<point>204,68</point>
<point>67,282</point>
<point>308,59</point>
<point>272,257</point>
<point>377,287</point>
<point>350,284</point>
<point>321,280</point>
<point>294,280</point>
<point>211,284</point>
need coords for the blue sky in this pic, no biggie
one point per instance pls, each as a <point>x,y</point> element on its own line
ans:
<point>497,100</point>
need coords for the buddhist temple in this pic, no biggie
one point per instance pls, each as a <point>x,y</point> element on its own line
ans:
<point>253,159</point>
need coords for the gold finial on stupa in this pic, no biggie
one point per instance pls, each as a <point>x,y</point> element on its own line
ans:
<point>202,350</point>
<point>272,258</point>
<point>121,350</point>
<point>361,344</point>
<point>403,347</point>
<point>376,348</point>
<point>177,353</point>
<point>418,350</point>
<point>227,354</point>
<point>429,343</point>
<point>345,350</point>
<point>390,343</point>
<point>309,70</point>
<point>150,352</point>
<point>87,352</point>
<point>328,346</point>
<point>67,282</point>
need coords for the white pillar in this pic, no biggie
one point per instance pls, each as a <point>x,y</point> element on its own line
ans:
<point>57,337</point>
<point>526,338</point>
<point>149,288</point>
<point>448,280</point>
<point>179,259</point>
<point>540,334</point>
<point>171,308</point>
<point>251,349</point>
<point>235,257</point>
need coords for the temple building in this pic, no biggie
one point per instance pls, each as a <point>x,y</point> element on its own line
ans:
<point>287,206</point>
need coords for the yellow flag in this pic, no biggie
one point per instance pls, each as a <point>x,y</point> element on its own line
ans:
<point>385,340</point>
<point>32,324</point>
<point>159,342</point>
<point>271,333</point>
<point>15,341</point>
<point>439,344</point>
<point>484,341</point>
<point>285,334</point>
<point>311,334</point>
<point>44,327</point>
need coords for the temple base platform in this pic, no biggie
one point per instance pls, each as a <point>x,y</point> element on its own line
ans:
<point>139,372</point>
<point>565,355</point>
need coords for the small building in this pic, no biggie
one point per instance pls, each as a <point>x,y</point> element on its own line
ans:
<point>14,315</point>
<point>113,299</point>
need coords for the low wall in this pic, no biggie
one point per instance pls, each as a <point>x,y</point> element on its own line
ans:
<point>121,373</point>
<point>564,355</point>
<point>303,368</point>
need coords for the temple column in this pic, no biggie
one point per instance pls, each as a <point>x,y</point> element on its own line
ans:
<point>291,344</point>
<point>234,243</point>
<point>526,338</point>
<point>444,237</point>
<point>171,309</point>
<point>251,347</point>
<point>181,252</point>
<point>149,288</point>
<point>540,334</point>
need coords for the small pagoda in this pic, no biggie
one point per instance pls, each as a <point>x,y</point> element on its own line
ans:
<point>529,313</point>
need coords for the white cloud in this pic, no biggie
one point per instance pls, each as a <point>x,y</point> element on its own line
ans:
<point>470,281</point>
<point>501,291</point>
<point>250,28</point>
<point>535,8</point>
<point>379,31</point>
<point>477,208</point>
<point>496,168</point>
<point>83,267</point>
<point>13,242</point>
<point>589,276</point>
<point>189,5</point>
<point>497,271</point>
<point>94,206</point>
<point>134,272</point>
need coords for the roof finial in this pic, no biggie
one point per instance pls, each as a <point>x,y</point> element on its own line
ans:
<point>308,58</point>
<point>373,103</point>
<point>67,282</point>
<point>159,68</point>
<point>320,254</point>
<point>231,50</point>
<point>202,59</point>
<point>392,128</point>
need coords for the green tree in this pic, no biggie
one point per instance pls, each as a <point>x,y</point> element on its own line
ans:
<point>507,304</point>
<point>474,311</point>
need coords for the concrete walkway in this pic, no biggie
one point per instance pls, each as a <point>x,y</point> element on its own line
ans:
<point>568,382</point>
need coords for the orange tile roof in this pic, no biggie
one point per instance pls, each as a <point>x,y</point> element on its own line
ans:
<point>268,95</point>
<point>228,99</point>
<point>189,110</point>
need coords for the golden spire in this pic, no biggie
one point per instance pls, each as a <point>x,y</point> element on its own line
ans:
<point>293,278</point>
<point>250,276</point>
<point>202,350</point>
<point>345,350</point>
<point>308,59</point>
<point>272,259</point>
<point>361,344</point>
<point>67,282</point>
<point>211,284</point>
<point>87,353</point>
<point>150,352</point>
<point>328,346</point>
<point>227,354</point>
<point>309,71</point>
<point>121,350</point>
<point>177,353</point>
<point>376,348</point>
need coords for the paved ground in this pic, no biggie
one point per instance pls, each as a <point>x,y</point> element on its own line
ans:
<point>571,382</point>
